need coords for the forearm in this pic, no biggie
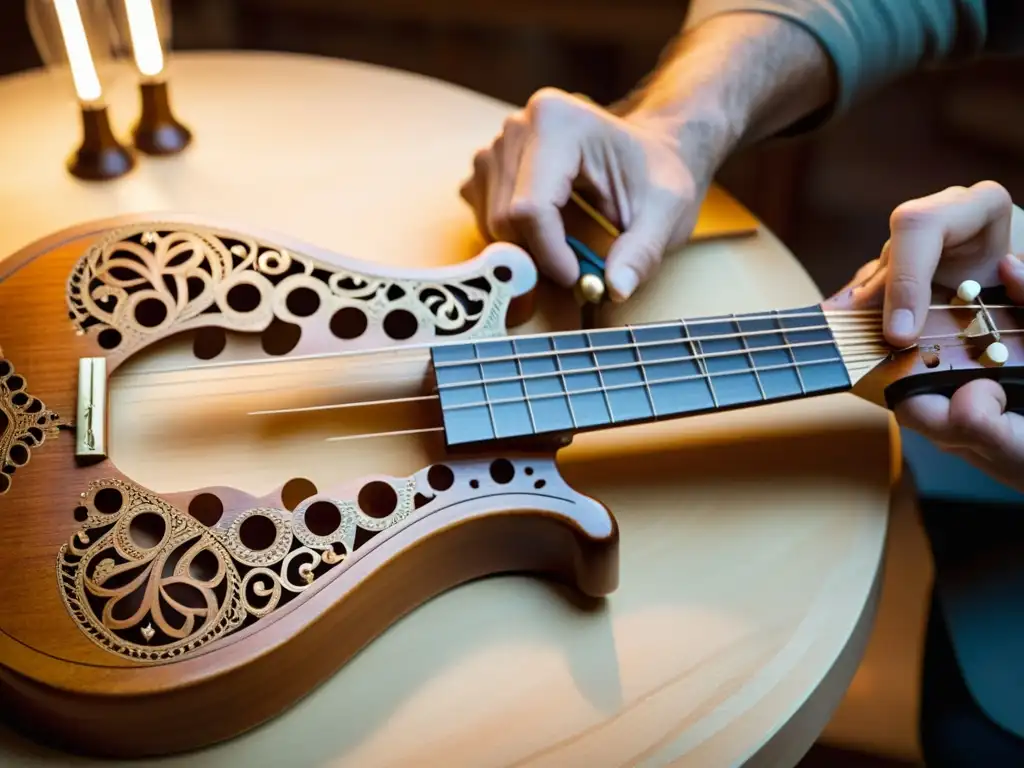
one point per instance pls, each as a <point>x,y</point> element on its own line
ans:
<point>753,68</point>
<point>743,75</point>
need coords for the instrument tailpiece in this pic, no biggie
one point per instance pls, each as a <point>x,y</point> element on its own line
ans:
<point>91,414</point>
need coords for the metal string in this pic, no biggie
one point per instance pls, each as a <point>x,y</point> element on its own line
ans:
<point>875,348</point>
<point>595,369</point>
<point>590,390</point>
<point>860,329</point>
<point>429,345</point>
<point>839,315</point>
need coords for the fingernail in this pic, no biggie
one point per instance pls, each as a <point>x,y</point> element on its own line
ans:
<point>1015,262</point>
<point>901,322</point>
<point>623,282</point>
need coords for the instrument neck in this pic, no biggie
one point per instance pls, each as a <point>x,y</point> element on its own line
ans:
<point>564,383</point>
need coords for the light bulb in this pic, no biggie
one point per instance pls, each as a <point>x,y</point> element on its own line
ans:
<point>146,44</point>
<point>144,28</point>
<point>76,37</point>
<point>73,38</point>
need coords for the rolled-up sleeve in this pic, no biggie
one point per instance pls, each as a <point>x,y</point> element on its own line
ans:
<point>873,42</point>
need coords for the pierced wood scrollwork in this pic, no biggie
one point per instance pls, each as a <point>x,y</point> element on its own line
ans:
<point>145,282</point>
<point>149,581</point>
<point>25,423</point>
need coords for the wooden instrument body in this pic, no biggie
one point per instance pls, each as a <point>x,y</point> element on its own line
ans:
<point>147,611</point>
<point>225,604</point>
<point>639,678</point>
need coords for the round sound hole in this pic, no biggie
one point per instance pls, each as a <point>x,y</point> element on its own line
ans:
<point>502,471</point>
<point>400,324</point>
<point>378,499</point>
<point>323,518</point>
<point>149,313</point>
<point>109,338</point>
<point>257,533</point>
<point>348,323</point>
<point>296,491</point>
<point>244,297</point>
<point>18,455</point>
<point>209,342</point>
<point>440,477</point>
<point>108,501</point>
<point>207,509</point>
<point>280,337</point>
<point>303,302</point>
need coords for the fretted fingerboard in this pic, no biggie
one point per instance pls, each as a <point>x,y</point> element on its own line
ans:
<point>573,382</point>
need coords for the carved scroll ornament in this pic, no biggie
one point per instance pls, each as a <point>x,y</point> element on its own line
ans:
<point>148,281</point>
<point>25,423</point>
<point>148,581</point>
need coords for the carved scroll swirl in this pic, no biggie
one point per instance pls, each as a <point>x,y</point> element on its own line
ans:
<point>145,282</point>
<point>139,568</point>
<point>25,424</point>
<point>146,580</point>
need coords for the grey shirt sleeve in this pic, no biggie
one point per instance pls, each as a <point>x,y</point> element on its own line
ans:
<point>873,42</point>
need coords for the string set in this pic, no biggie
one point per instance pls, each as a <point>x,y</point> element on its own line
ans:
<point>858,332</point>
<point>865,314</point>
<point>600,369</point>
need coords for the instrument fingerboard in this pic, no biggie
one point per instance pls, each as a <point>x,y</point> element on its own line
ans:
<point>572,382</point>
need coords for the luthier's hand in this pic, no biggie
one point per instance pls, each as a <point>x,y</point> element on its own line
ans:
<point>954,235</point>
<point>644,177</point>
<point>647,162</point>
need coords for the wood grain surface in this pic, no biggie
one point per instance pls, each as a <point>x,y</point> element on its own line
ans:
<point>750,542</point>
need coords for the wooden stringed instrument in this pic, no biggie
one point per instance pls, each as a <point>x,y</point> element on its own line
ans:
<point>140,617</point>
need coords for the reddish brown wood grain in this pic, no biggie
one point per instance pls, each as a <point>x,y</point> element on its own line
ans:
<point>94,701</point>
<point>100,702</point>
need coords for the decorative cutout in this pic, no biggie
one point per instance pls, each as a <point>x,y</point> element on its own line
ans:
<point>146,580</point>
<point>25,424</point>
<point>930,355</point>
<point>148,281</point>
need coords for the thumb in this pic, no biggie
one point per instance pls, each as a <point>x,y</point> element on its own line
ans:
<point>1011,272</point>
<point>921,230</point>
<point>637,252</point>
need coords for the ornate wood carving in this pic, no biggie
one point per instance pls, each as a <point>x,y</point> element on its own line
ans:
<point>130,603</point>
<point>147,281</point>
<point>144,578</point>
<point>25,423</point>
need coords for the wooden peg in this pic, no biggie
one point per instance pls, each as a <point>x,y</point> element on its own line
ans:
<point>968,291</point>
<point>996,354</point>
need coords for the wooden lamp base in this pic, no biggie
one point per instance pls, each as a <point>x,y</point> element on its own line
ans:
<point>101,156</point>
<point>158,131</point>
